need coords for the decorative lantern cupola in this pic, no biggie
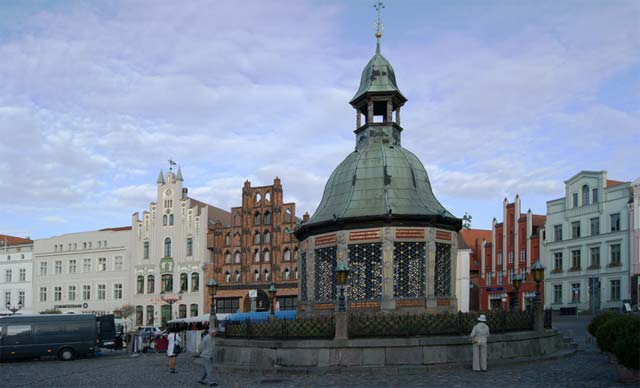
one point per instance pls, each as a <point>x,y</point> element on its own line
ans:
<point>377,100</point>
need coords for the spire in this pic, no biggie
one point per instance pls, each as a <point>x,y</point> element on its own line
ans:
<point>160,178</point>
<point>179,175</point>
<point>379,26</point>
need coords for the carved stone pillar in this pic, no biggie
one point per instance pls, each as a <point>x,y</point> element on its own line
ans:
<point>398,116</point>
<point>358,119</point>
<point>430,265</point>
<point>389,118</point>
<point>370,112</point>
<point>388,302</point>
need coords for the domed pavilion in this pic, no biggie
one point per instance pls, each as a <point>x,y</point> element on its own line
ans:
<point>379,216</point>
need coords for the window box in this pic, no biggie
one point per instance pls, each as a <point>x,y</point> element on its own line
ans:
<point>556,270</point>
<point>574,269</point>
<point>610,265</point>
<point>593,267</point>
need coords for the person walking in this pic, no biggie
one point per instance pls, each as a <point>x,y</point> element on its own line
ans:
<point>175,342</point>
<point>207,352</point>
<point>479,336</point>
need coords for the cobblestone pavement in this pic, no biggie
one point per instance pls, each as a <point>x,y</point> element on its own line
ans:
<point>585,368</point>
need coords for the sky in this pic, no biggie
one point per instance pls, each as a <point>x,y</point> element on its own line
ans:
<point>504,98</point>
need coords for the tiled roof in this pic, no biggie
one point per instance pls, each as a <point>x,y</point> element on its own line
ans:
<point>470,236</point>
<point>12,240</point>
<point>611,183</point>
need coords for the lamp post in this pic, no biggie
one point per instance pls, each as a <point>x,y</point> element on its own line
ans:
<point>342,274</point>
<point>13,309</point>
<point>272,296</point>
<point>537,271</point>
<point>517,282</point>
<point>212,287</point>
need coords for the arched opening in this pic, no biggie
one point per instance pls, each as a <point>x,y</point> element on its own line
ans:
<point>151,284</point>
<point>267,196</point>
<point>267,237</point>
<point>167,247</point>
<point>227,239</point>
<point>236,257</point>
<point>256,256</point>
<point>267,275</point>
<point>267,218</point>
<point>256,275</point>
<point>184,282</point>
<point>585,195</point>
<point>258,198</point>
<point>256,237</point>
<point>227,276</point>
<point>286,256</point>
<point>236,274</point>
<point>287,216</point>
<point>267,256</point>
<point>286,274</point>
<point>140,285</point>
<point>257,218</point>
<point>227,257</point>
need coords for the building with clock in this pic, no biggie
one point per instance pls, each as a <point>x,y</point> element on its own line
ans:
<point>168,249</point>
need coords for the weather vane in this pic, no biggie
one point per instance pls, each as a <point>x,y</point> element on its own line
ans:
<point>171,164</point>
<point>379,6</point>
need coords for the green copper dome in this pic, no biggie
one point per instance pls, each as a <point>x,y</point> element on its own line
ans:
<point>377,76</point>
<point>379,183</point>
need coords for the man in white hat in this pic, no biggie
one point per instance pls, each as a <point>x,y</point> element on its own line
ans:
<point>479,336</point>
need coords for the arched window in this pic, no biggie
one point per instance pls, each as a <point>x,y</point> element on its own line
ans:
<point>266,275</point>
<point>167,283</point>
<point>140,285</point>
<point>151,284</point>
<point>236,239</point>
<point>286,274</point>
<point>267,256</point>
<point>256,274</point>
<point>257,218</point>
<point>227,257</point>
<point>236,257</point>
<point>585,195</point>
<point>170,219</point>
<point>167,247</point>
<point>287,216</point>
<point>139,311</point>
<point>164,220</point>
<point>267,218</point>
<point>182,311</point>
<point>237,275</point>
<point>237,220</point>
<point>256,256</point>
<point>286,255</point>
<point>195,281</point>
<point>184,282</point>
<point>227,239</point>
<point>267,196</point>
<point>189,246</point>
<point>267,237</point>
<point>258,198</point>
<point>227,276</point>
<point>256,237</point>
<point>146,249</point>
<point>150,315</point>
<point>295,272</point>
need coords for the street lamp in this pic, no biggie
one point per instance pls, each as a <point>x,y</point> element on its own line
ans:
<point>212,287</point>
<point>14,310</point>
<point>537,271</point>
<point>342,274</point>
<point>517,282</point>
<point>272,296</point>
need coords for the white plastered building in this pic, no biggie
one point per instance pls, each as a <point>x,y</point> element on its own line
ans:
<point>168,253</point>
<point>86,272</point>
<point>15,274</point>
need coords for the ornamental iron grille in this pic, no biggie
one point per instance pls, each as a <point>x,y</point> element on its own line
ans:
<point>408,269</point>
<point>365,271</point>
<point>443,270</point>
<point>325,266</point>
<point>303,276</point>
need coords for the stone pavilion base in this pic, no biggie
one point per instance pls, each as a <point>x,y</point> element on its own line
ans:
<point>379,352</point>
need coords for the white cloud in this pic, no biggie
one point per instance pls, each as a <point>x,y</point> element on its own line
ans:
<point>54,219</point>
